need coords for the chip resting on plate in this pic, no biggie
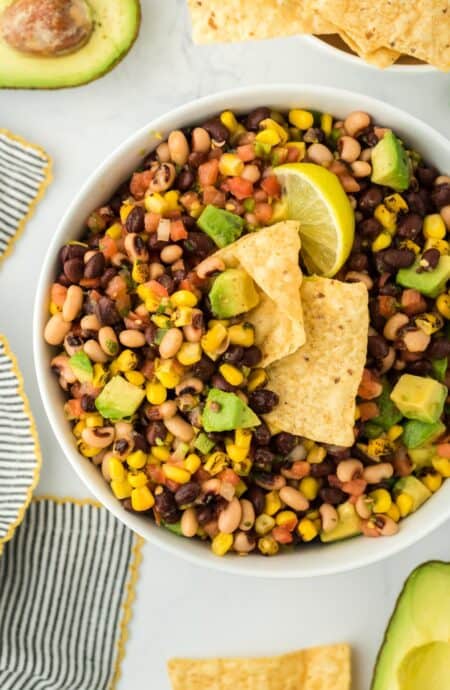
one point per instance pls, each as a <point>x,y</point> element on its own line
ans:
<point>318,668</point>
<point>317,385</point>
<point>270,257</point>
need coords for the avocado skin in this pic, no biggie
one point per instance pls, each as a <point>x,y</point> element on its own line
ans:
<point>385,672</point>
<point>81,81</point>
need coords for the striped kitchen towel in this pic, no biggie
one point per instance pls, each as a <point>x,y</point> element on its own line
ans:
<point>67,583</point>
<point>20,455</point>
<point>25,173</point>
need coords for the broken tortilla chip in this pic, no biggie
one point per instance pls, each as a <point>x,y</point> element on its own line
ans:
<point>318,668</point>
<point>382,57</point>
<point>270,257</point>
<point>317,385</point>
<point>222,21</point>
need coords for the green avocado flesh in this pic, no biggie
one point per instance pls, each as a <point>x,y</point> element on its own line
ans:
<point>389,413</point>
<point>417,433</point>
<point>233,292</point>
<point>222,226</point>
<point>429,283</point>
<point>119,399</point>
<point>116,25</point>
<point>415,654</point>
<point>421,457</point>
<point>414,488</point>
<point>226,411</point>
<point>390,164</point>
<point>418,397</point>
<point>349,524</point>
<point>82,367</point>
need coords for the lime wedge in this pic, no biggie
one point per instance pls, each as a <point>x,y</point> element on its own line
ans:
<point>315,197</point>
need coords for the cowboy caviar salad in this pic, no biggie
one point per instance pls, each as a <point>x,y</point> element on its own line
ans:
<point>253,332</point>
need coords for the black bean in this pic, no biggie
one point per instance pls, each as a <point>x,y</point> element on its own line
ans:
<point>166,506</point>
<point>409,226</point>
<point>256,496</point>
<point>140,443</point>
<point>63,280</point>
<point>426,175</point>
<point>261,435</point>
<point>420,368</point>
<point>155,430</point>
<point>219,382</point>
<point>219,133</point>
<point>203,369</point>
<point>332,494</point>
<point>234,354</point>
<point>198,244</point>
<point>121,446</point>
<point>263,459</point>
<point>185,180</point>
<point>439,348</point>
<point>204,514</point>
<point>377,346</point>
<point>252,356</point>
<point>95,266</point>
<point>255,117</point>
<point>399,258</point>
<point>263,401</point>
<point>108,275</point>
<point>322,469</point>
<point>417,202</point>
<point>73,270</point>
<point>135,220</point>
<point>431,259</point>
<point>441,195</point>
<point>370,227</point>
<point>197,158</point>
<point>178,276</point>
<point>93,241</point>
<point>314,135</point>
<point>187,493</point>
<point>368,137</point>
<point>166,281</point>
<point>87,403</point>
<point>284,442</point>
<point>106,312</point>
<point>358,262</point>
<point>72,251</point>
<point>150,334</point>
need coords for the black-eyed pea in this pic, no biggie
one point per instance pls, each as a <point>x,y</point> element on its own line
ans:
<point>171,253</point>
<point>90,323</point>
<point>105,465</point>
<point>320,154</point>
<point>361,169</point>
<point>156,270</point>
<point>248,515</point>
<point>349,184</point>
<point>251,173</point>
<point>293,498</point>
<point>230,517</point>
<point>99,436</point>
<point>108,341</point>
<point>243,543</point>
<point>200,140</point>
<point>132,338</point>
<point>167,409</point>
<point>178,147</point>
<point>163,153</point>
<point>349,149</point>
<point>349,469</point>
<point>94,351</point>
<point>177,426</point>
<point>363,506</point>
<point>445,215</point>
<point>376,473</point>
<point>394,324</point>
<point>329,517</point>
<point>356,121</point>
<point>56,329</point>
<point>163,178</point>
<point>135,247</point>
<point>171,343</point>
<point>189,523</point>
<point>60,365</point>
<point>209,265</point>
<point>119,259</point>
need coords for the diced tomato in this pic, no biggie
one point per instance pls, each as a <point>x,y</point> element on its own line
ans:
<point>123,304</point>
<point>293,154</point>
<point>151,221</point>
<point>90,282</point>
<point>370,386</point>
<point>368,410</point>
<point>108,247</point>
<point>177,231</point>
<point>263,213</point>
<point>412,302</point>
<point>271,186</point>
<point>229,476</point>
<point>240,187</point>
<point>208,172</point>
<point>214,196</point>
<point>246,152</point>
<point>158,289</point>
<point>386,306</point>
<point>282,535</point>
<point>156,474</point>
<point>443,450</point>
<point>202,475</point>
<point>116,287</point>
<point>73,409</point>
<point>140,182</point>
<point>58,294</point>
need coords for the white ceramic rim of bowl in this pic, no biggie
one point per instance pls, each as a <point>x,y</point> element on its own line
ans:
<point>311,561</point>
<point>354,59</point>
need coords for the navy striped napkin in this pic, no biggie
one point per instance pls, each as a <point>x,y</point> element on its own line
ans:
<point>67,583</point>
<point>25,172</point>
<point>20,455</point>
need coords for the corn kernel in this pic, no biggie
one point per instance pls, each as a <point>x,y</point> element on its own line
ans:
<point>240,488</point>
<point>231,374</point>
<point>302,119</point>
<point>155,393</point>
<point>385,217</point>
<point>229,120</point>
<point>287,518</point>
<point>99,376</point>
<point>78,428</point>
<point>383,241</point>
<point>442,465</point>
<point>316,454</point>
<point>114,231</point>
<point>242,334</point>
<point>142,499</point>
<point>404,503</point>
<point>242,467</point>
<point>432,480</point>
<point>169,373</point>
<point>182,316</point>
<point>263,524</point>
<point>409,244</point>
<point>140,272</point>
<point>137,460</point>
<point>268,137</point>
<point>161,320</point>
<point>192,463</point>
<point>395,203</point>
<point>443,305</point>
<point>221,543</point>
<point>442,246</point>
<point>272,503</point>
<point>235,453</point>
<point>279,212</point>
<point>217,322</point>
<point>126,361</point>
<point>54,309</point>
<point>273,126</point>
<point>176,474</point>
<point>243,438</point>
<point>307,530</point>
<point>326,123</point>
<point>125,211</point>
<point>87,451</point>
<point>216,462</point>
<point>393,512</point>
<point>395,432</point>
<point>309,486</point>
<point>268,546</point>
<point>357,413</point>
<point>377,447</point>
<point>189,354</point>
<point>300,146</point>
<point>171,200</point>
<point>256,379</point>
<point>116,469</point>
<point>183,298</point>
<point>161,452</point>
<point>121,488</point>
<point>137,479</point>
<point>93,420</point>
<point>155,203</point>
<point>135,377</point>
<point>230,165</point>
<point>429,323</point>
<point>382,500</point>
<point>434,227</point>
<point>214,339</point>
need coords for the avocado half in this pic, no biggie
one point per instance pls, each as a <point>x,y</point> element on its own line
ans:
<point>116,26</point>
<point>415,654</point>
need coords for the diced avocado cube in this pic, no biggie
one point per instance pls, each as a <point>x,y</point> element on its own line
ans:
<point>414,488</point>
<point>389,413</point>
<point>119,399</point>
<point>349,524</point>
<point>233,292</point>
<point>421,457</point>
<point>417,433</point>
<point>222,226</point>
<point>203,443</point>
<point>82,367</point>
<point>439,367</point>
<point>226,411</point>
<point>418,397</point>
<point>428,283</point>
<point>390,163</point>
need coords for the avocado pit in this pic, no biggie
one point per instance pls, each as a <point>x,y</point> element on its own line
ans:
<point>47,28</point>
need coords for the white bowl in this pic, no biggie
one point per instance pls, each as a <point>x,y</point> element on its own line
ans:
<point>305,562</point>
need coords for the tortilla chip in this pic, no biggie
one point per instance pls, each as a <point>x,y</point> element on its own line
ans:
<point>222,21</point>
<point>319,668</point>
<point>382,57</point>
<point>420,29</point>
<point>270,257</point>
<point>317,385</point>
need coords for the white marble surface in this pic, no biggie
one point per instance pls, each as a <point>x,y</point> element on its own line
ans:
<point>181,609</point>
